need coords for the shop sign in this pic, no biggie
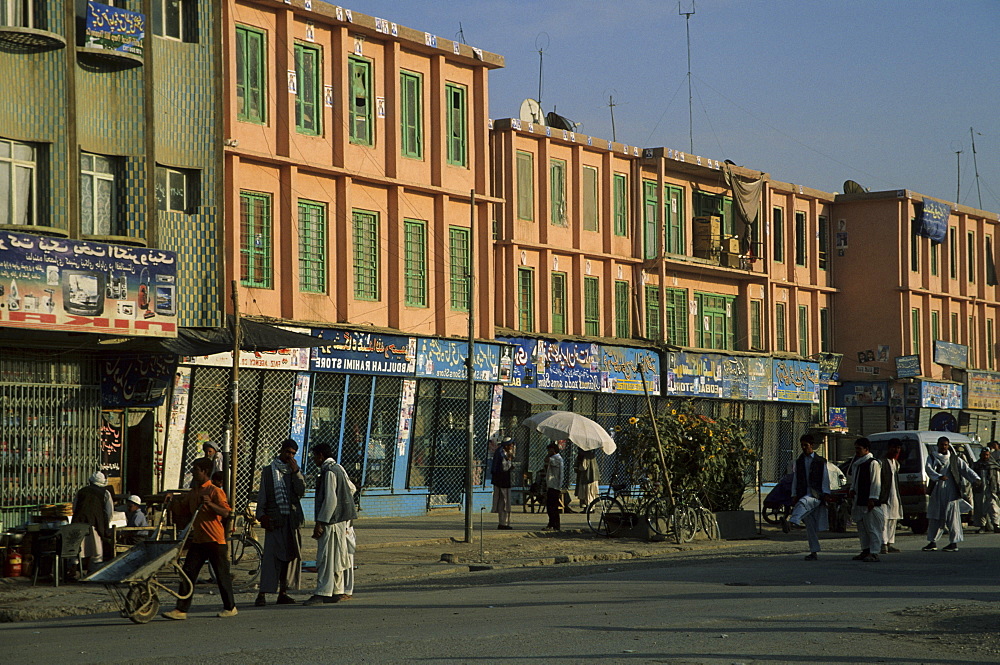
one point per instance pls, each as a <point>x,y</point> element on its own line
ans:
<point>829,368</point>
<point>359,352</point>
<point>523,372</point>
<point>983,390</point>
<point>136,380</point>
<point>795,380</point>
<point>934,220</point>
<point>114,28</point>
<point>694,374</point>
<point>907,366</point>
<point>297,359</point>
<point>838,417</point>
<point>112,436</point>
<point>75,286</point>
<point>746,378</point>
<point>567,365</point>
<point>946,353</point>
<point>445,359</point>
<point>621,366</point>
<point>940,395</point>
<point>858,393</point>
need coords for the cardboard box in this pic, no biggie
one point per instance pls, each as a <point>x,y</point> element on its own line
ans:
<point>729,260</point>
<point>731,244</point>
<point>711,226</point>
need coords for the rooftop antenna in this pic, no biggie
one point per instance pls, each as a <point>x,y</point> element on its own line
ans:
<point>976,165</point>
<point>687,22</point>
<point>957,149</point>
<point>461,34</point>
<point>541,51</point>
<point>612,105</point>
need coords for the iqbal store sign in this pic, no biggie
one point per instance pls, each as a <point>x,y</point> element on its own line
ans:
<point>74,286</point>
<point>114,28</point>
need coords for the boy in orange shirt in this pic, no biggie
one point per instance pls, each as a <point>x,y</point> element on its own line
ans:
<point>207,504</point>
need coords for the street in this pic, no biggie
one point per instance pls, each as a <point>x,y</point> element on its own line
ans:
<point>756,602</point>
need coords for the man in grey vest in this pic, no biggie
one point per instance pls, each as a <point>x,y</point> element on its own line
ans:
<point>334,511</point>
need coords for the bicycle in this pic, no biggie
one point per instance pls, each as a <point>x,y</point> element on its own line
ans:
<point>609,513</point>
<point>245,552</point>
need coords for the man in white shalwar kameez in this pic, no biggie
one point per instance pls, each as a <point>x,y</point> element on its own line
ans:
<point>866,489</point>
<point>810,488</point>
<point>334,511</point>
<point>944,508</point>
<point>892,504</point>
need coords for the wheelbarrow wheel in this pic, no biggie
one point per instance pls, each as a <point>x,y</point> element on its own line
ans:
<point>773,514</point>
<point>141,603</point>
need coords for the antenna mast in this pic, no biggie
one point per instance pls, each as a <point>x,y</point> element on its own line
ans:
<point>958,162</point>
<point>612,105</point>
<point>461,33</point>
<point>975,165</point>
<point>540,63</point>
<point>687,22</point>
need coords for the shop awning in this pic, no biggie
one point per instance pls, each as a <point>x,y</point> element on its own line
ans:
<point>532,396</point>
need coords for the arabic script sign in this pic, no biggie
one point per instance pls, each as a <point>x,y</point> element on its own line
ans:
<point>983,390</point>
<point>70,285</point>
<point>445,359</point>
<point>796,381</point>
<point>114,28</point>
<point>621,366</point>
<point>568,365</point>
<point>356,352</point>
<point>136,380</point>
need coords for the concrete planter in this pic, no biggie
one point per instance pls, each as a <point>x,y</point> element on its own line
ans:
<point>736,524</point>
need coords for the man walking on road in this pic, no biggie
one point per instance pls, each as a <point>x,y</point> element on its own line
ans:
<point>866,489</point>
<point>892,504</point>
<point>985,516</point>
<point>553,483</point>
<point>334,511</point>
<point>503,460</point>
<point>810,489</point>
<point>944,509</point>
<point>280,513</point>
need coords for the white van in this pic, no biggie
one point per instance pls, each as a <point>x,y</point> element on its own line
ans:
<point>917,446</point>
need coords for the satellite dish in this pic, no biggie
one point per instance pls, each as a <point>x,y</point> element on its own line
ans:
<point>531,111</point>
<point>557,121</point>
<point>851,187</point>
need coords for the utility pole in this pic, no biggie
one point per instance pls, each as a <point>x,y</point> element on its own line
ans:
<point>234,388</point>
<point>470,366</point>
<point>687,18</point>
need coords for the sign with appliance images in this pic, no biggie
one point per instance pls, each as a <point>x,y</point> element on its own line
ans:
<point>77,286</point>
<point>114,28</point>
<point>445,359</point>
<point>940,395</point>
<point>623,370</point>
<point>954,355</point>
<point>982,390</point>
<point>795,380</point>
<point>907,366</point>
<point>360,352</point>
<point>567,365</point>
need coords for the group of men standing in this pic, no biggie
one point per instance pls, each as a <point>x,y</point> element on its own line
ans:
<point>876,504</point>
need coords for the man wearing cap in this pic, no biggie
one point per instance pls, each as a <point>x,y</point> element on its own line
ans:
<point>212,453</point>
<point>280,513</point>
<point>503,460</point>
<point>134,517</point>
<point>93,506</point>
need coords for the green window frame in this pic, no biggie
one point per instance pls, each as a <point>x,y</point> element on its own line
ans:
<point>716,321</point>
<point>824,242</point>
<point>650,221</point>
<point>970,255</point>
<point>251,75</point>
<point>756,325</point>
<point>526,299</point>
<point>411,115</point>
<point>623,309</point>
<point>800,238</point>
<point>415,262</point>
<point>803,331</point>
<point>953,252</point>
<point>715,205</point>
<point>824,330</point>
<point>914,330</point>
<point>973,348</point>
<point>592,306</point>
<point>559,303</point>
<point>366,263</point>
<point>620,192</point>
<point>935,325</point>
<point>557,191</point>
<point>935,251</point>
<point>525,186</point>
<point>654,327</point>
<point>456,125</point>
<point>312,246</point>
<point>677,317</point>
<point>778,234</point>
<point>458,247</point>
<point>309,81</point>
<point>780,326</point>
<point>954,328</point>
<point>361,101</point>
<point>255,240</point>
<point>990,351</point>
<point>673,219</point>
<point>590,199</point>
<point>914,246</point>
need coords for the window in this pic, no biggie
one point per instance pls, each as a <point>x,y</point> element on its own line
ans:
<point>654,330</point>
<point>780,326</point>
<point>953,252</point>
<point>18,182</point>
<point>935,325</point>
<point>557,189</point>
<point>411,115</point>
<point>17,13</point>
<point>800,238</point>
<point>176,189</point>
<point>623,309</point>
<point>778,234</point>
<point>169,18</point>
<point>824,330</point>
<point>366,281</point>
<point>458,246</point>
<point>456,124</point>
<point>954,329</point>
<point>824,242</point>
<point>255,240</point>
<point>990,351</point>
<point>803,330</point>
<point>99,196</point>
<point>620,190</point>
<point>312,247</point>
<point>525,186</point>
<point>756,325</point>
<point>990,263</point>
<point>934,258</point>
<point>526,299</point>
<point>415,263</point>
<point>590,202</point>
<point>559,303</point>
<point>716,321</point>
<point>650,221</point>
<point>677,316</point>
<point>914,246</point>
<point>360,74</point>
<point>591,306</point>
<point>972,341</point>
<point>914,330</point>
<point>308,109</point>
<point>673,217</point>
<point>970,254</point>
<point>713,205</point>
<point>251,91</point>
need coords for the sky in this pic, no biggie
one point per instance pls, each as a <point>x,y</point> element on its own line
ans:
<point>814,92</point>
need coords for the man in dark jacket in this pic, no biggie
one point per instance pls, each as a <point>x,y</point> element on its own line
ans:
<point>810,489</point>
<point>280,513</point>
<point>503,460</point>
<point>93,506</point>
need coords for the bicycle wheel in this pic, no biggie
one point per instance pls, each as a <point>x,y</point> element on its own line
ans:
<point>244,561</point>
<point>605,516</point>
<point>709,524</point>
<point>683,523</point>
<point>657,514</point>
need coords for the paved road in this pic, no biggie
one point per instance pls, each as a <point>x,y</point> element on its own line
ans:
<point>758,603</point>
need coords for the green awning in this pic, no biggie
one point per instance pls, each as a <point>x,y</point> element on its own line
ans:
<point>532,396</point>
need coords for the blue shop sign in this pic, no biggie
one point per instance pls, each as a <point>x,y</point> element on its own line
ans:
<point>941,395</point>
<point>934,220</point>
<point>620,370</point>
<point>863,393</point>
<point>907,366</point>
<point>746,378</point>
<point>796,380</point>
<point>445,359</point>
<point>829,368</point>
<point>114,28</point>
<point>567,365</point>
<point>523,372</point>
<point>136,380</point>
<point>955,355</point>
<point>694,374</point>
<point>358,352</point>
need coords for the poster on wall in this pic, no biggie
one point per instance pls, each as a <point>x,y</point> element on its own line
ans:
<point>114,28</point>
<point>361,352</point>
<point>568,365</point>
<point>796,381</point>
<point>863,393</point>
<point>940,395</point>
<point>523,372</point>
<point>176,428</point>
<point>838,417</point>
<point>76,286</point>
<point>300,409</point>
<point>405,424</point>
<point>623,370</point>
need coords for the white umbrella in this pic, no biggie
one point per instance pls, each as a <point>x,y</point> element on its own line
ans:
<point>582,431</point>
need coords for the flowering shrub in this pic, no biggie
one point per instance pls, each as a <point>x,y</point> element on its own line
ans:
<point>704,456</point>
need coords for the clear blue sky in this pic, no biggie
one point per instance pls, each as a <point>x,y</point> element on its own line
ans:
<point>813,92</point>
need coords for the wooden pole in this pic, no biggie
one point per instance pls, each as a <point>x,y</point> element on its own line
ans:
<point>470,364</point>
<point>234,387</point>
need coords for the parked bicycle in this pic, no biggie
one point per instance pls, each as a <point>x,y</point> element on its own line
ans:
<point>623,508</point>
<point>245,552</point>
